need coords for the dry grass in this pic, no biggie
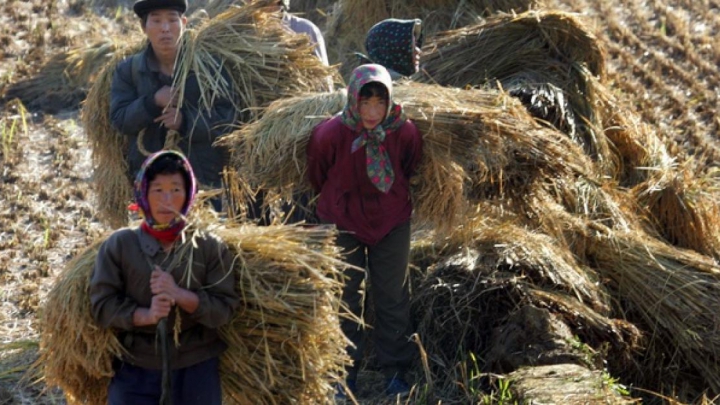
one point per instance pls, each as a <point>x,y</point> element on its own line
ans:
<point>683,208</point>
<point>75,354</point>
<point>285,343</point>
<point>265,60</point>
<point>265,63</point>
<point>350,20</point>
<point>109,146</point>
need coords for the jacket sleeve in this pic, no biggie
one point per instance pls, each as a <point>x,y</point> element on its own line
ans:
<point>201,125</point>
<point>129,111</point>
<point>413,149</point>
<point>218,299</point>
<point>319,157</point>
<point>110,307</point>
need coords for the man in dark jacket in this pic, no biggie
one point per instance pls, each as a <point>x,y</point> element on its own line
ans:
<point>144,105</point>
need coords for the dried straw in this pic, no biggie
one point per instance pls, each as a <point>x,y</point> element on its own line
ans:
<point>476,288</point>
<point>284,343</point>
<point>272,151</point>
<point>75,354</point>
<point>109,147</point>
<point>63,81</point>
<point>683,208</point>
<point>545,58</point>
<point>477,144</point>
<point>673,294</point>
<point>350,20</point>
<point>265,62</point>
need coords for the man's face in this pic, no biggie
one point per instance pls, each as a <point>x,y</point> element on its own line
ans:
<point>163,29</point>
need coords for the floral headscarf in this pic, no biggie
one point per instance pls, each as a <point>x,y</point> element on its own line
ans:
<point>392,43</point>
<point>379,167</point>
<point>141,191</point>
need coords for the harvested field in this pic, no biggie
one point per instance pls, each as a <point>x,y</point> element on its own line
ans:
<point>582,251</point>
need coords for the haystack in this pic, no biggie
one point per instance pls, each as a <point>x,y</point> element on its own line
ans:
<point>64,79</point>
<point>480,284</point>
<point>75,354</point>
<point>542,57</point>
<point>265,61</point>
<point>683,208</point>
<point>477,144</point>
<point>285,344</point>
<point>350,20</point>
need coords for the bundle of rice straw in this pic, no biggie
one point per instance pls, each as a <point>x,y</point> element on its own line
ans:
<point>672,294</point>
<point>479,285</point>
<point>63,81</point>
<point>76,354</point>
<point>284,342</point>
<point>545,58</point>
<point>683,208</point>
<point>112,186</point>
<point>264,59</point>
<point>477,143</point>
<point>350,20</point>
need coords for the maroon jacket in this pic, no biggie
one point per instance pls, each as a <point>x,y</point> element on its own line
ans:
<point>347,197</point>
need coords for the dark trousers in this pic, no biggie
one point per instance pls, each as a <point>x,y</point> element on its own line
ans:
<point>195,385</point>
<point>387,263</point>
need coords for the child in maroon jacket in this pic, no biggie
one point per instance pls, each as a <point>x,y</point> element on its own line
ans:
<point>360,161</point>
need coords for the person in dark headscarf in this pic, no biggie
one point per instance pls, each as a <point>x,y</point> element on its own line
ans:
<point>142,275</point>
<point>360,162</point>
<point>396,45</point>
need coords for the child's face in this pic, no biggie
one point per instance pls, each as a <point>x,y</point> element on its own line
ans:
<point>372,111</point>
<point>166,197</point>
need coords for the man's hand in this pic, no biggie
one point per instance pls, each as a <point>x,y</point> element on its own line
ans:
<point>164,97</point>
<point>170,119</point>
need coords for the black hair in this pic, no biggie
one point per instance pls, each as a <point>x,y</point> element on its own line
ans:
<point>374,89</point>
<point>167,165</point>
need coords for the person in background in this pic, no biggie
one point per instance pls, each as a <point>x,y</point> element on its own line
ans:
<point>360,162</point>
<point>304,26</point>
<point>146,273</point>
<point>143,103</point>
<point>395,44</point>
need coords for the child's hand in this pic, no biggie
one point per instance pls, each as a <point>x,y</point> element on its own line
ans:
<point>162,282</point>
<point>159,307</point>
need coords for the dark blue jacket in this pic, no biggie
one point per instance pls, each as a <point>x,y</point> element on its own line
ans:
<point>132,109</point>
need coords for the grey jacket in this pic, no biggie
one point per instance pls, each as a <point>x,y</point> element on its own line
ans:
<point>132,109</point>
<point>120,284</point>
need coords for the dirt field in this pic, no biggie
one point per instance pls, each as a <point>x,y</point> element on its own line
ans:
<point>663,64</point>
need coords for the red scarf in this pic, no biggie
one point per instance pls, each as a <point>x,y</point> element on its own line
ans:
<point>167,235</point>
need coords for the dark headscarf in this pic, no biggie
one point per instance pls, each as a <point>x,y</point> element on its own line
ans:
<point>392,43</point>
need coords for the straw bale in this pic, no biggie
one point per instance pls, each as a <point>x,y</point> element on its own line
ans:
<point>265,60</point>
<point>63,80</point>
<point>683,208</point>
<point>109,147</point>
<point>475,289</point>
<point>670,293</point>
<point>75,354</point>
<point>350,20</point>
<point>548,59</point>
<point>284,343</point>
<point>478,144</point>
